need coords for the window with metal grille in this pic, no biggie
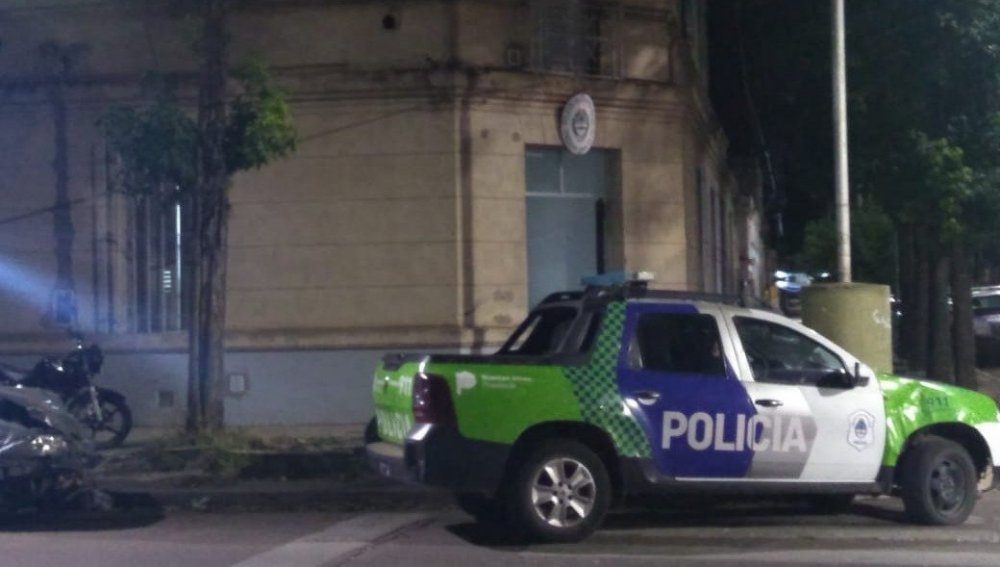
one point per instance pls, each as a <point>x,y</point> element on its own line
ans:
<point>575,36</point>
<point>157,285</point>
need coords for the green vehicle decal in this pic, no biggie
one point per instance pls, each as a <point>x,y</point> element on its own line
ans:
<point>392,392</point>
<point>913,404</point>
<point>497,402</point>
<point>596,387</point>
<point>493,401</point>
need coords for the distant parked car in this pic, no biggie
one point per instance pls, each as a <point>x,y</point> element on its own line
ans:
<point>986,320</point>
<point>790,286</point>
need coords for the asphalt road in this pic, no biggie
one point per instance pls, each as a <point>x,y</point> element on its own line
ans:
<point>686,534</point>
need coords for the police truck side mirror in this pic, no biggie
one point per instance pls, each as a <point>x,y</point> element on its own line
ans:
<point>839,379</point>
<point>852,379</point>
<point>858,379</point>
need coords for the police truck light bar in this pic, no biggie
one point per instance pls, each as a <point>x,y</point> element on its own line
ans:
<point>616,278</point>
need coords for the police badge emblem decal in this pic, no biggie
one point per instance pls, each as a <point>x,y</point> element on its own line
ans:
<point>860,430</point>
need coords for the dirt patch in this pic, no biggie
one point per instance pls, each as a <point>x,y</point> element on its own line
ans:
<point>236,455</point>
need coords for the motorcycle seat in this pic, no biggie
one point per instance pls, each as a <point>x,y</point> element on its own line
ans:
<point>12,373</point>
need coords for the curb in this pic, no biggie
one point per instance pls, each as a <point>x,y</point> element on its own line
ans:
<point>275,496</point>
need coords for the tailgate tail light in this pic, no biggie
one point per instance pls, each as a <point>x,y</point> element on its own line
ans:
<point>432,400</point>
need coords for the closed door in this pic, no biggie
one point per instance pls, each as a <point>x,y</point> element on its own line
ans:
<point>815,426</point>
<point>674,375</point>
<point>565,217</point>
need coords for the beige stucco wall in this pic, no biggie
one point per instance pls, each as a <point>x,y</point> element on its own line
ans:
<point>145,35</point>
<point>358,229</point>
<point>28,263</point>
<point>648,232</point>
<point>400,220</point>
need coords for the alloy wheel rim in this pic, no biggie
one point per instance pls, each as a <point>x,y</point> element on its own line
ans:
<point>563,492</point>
<point>947,487</point>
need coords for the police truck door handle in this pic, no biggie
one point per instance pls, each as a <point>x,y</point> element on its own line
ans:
<point>647,398</point>
<point>768,403</point>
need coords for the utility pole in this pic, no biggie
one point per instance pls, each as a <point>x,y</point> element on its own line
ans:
<point>855,316</point>
<point>840,144</point>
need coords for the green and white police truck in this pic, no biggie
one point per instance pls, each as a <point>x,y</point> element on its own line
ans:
<point>620,391</point>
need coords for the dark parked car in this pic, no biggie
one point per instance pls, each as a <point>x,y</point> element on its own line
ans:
<point>986,319</point>
<point>45,453</point>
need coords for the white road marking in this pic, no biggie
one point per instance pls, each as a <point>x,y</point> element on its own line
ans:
<point>335,542</point>
<point>901,558</point>
<point>796,557</point>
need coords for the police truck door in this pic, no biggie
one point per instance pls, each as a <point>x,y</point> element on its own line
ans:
<point>676,374</point>
<point>813,424</point>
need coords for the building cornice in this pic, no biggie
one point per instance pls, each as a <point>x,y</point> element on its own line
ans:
<point>386,338</point>
<point>337,82</point>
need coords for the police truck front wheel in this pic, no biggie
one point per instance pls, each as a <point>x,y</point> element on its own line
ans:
<point>560,492</point>
<point>938,483</point>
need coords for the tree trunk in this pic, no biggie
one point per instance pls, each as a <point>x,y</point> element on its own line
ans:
<point>940,366</point>
<point>206,341</point>
<point>195,414</point>
<point>963,335</point>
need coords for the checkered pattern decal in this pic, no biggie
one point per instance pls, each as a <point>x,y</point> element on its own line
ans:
<point>596,388</point>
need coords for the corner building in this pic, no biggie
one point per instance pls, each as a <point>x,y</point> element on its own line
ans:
<point>431,202</point>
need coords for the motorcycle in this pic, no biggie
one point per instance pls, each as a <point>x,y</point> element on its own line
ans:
<point>45,454</point>
<point>103,411</point>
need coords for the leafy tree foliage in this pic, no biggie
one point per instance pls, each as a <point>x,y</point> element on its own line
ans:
<point>157,142</point>
<point>259,127</point>
<point>873,243</point>
<point>924,101</point>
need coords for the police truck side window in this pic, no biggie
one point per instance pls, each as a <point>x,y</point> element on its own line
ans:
<point>542,333</point>
<point>780,355</point>
<point>677,343</point>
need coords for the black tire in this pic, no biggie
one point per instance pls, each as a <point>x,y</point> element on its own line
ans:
<point>831,503</point>
<point>371,432</point>
<point>558,518</point>
<point>110,429</point>
<point>938,483</point>
<point>484,509</point>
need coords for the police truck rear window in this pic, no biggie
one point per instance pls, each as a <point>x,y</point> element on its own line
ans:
<point>542,333</point>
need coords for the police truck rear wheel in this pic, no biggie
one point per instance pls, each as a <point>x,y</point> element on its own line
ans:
<point>560,493</point>
<point>938,483</point>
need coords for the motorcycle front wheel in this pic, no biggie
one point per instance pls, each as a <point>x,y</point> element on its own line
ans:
<point>111,425</point>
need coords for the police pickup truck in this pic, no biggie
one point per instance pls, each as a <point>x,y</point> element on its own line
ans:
<point>621,391</point>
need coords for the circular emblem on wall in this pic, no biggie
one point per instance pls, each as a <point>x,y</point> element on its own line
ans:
<point>578,125</point>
